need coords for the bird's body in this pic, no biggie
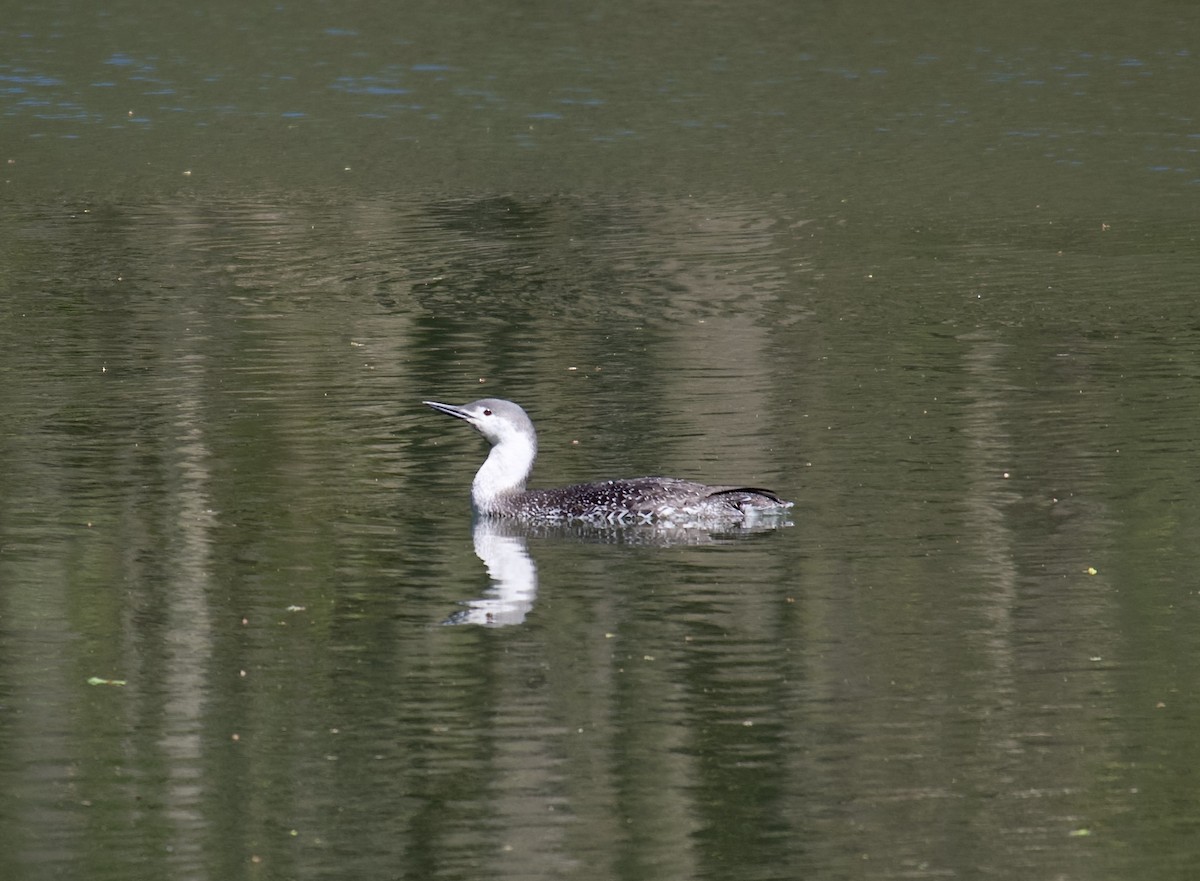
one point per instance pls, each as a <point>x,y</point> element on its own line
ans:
<point>499,486</point>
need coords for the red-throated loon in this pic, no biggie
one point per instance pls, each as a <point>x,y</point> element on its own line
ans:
<point>499,486</point>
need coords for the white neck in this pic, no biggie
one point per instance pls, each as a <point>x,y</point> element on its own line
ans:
<point>503,473</point>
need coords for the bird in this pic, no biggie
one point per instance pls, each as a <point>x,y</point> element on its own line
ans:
<point>498,489</point>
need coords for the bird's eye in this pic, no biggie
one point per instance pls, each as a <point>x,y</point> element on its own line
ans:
<point>487,412</point>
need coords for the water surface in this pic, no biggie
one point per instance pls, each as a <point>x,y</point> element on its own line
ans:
<point>931,275</point>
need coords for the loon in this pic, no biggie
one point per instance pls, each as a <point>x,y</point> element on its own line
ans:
<point>499,486</point>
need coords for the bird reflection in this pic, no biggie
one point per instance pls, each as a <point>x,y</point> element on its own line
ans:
<point>514,577</point>
<point>503,546</point>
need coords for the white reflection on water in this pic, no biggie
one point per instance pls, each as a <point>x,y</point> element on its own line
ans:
<point>513,574</point>
<point>191,644</point>
<point>503,546</point>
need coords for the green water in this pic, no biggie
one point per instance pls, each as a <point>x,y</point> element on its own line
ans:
<point>930,273</point>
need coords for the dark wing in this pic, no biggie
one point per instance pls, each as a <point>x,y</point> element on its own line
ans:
<point>644,495</point>
<point>593,500</point>
<point>742,497</point>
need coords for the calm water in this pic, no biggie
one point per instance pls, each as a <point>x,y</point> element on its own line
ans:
<point>930,274</point>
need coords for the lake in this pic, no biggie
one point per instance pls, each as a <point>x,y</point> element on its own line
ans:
<point>929,272</point>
